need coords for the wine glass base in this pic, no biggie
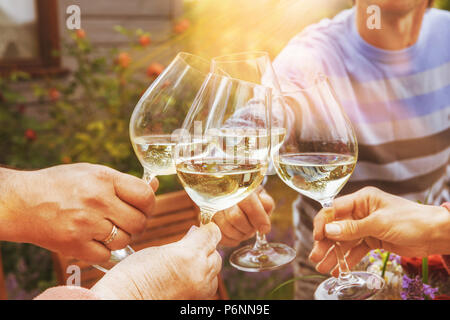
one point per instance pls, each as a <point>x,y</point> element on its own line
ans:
<point>116,257</point>
<point>367,286</point>
<point>274,256</point>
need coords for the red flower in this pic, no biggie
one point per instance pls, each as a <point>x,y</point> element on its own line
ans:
<point>54,94</point>
<point>155,69</point>
<point>66,159</point>
<point>144,40</point>
<point>30,134</point>
<point>123,59</point>
<point>182,26</point>
<point>442,297</point>
<point>80,33</point>
<point>414,265</point>
<point>21,108</point>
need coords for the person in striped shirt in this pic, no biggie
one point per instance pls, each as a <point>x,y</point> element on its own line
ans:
<point>394,85</point>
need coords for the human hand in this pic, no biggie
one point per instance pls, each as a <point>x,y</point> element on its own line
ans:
<point>183,270</point>
<point>370,219</point>
<point>241,221</point>
<point>71,209</point>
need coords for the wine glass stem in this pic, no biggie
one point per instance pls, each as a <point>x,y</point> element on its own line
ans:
<point>261,242</point>
<point>206,215</point>
<point>148,176</point>
<point>344,271</point>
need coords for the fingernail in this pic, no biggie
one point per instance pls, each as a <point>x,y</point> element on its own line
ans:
<point>333,229</point>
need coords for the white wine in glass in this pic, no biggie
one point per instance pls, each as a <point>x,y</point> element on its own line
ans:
<point>319,175</point>
<point>215,183</point>
<point>155,153</point>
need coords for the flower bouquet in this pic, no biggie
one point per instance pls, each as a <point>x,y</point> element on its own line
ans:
<point>408,278</point>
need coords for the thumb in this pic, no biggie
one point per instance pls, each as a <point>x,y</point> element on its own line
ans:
<point>348,229</point>
<point>206,236</point>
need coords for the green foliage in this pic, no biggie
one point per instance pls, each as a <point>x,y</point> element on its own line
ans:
<point>442,4</point>
<point>81,118</point>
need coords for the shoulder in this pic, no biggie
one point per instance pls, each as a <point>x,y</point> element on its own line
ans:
<point>439,16</point>
<point>437,21</point>
<point>314,47</point>
<point>436,34</point>
<point>325,29</point>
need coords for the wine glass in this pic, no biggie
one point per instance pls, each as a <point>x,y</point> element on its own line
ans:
<point>255,67</point>
<point>223,149</point>
<point>317,159</point>
<point>160,111</point>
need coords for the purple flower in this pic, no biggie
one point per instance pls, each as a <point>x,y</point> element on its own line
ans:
<point>397,259</point>
<point>415,289</point>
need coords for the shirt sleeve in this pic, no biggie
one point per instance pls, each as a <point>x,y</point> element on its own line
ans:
<point>67,293</point>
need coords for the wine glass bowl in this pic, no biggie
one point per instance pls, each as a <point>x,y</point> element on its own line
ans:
<point>161,111</point>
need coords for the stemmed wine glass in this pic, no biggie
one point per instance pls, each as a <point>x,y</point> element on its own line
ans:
<point>218,172</point>
<point>162,110</point>
<point>255,67</point>
<point>317,159</point>
<point>158,114</point>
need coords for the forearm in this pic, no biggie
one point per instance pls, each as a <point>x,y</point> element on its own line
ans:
<point>12,188</point>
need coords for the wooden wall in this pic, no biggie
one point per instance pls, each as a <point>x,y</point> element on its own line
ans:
<point>98,18</point>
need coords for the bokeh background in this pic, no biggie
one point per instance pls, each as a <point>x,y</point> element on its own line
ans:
<point>77,110</point>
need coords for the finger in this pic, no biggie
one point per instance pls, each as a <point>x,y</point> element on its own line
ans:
<point>324,216</point>
<point>134,191</point>
<point>256,215</point>
<point>215,263</point>
<point>267,201</point>
<point>94,252</point>
<point>320,250</point>
<point>350,229</point>
<point>227,228</point>
<point>359,204</point>
<point>239,220</point>
<point>120,241</point>
<point>228,242</point>
<point>126,217</point>
<point>205,237</point>
<point>212,289</point>
<point>154,184</point>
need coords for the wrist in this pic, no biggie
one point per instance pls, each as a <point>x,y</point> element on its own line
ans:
<point>13,204</point>
<point>104,293</point>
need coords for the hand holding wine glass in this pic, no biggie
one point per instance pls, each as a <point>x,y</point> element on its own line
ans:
<point>159,112</point>
<point>317,159</point>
